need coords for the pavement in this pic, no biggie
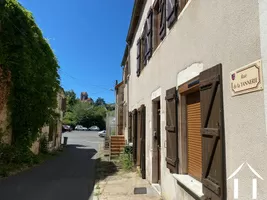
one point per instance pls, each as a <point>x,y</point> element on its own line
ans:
<point>121,187</point>
<point>68,176</point>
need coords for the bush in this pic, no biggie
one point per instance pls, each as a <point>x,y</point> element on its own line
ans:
<point>7,154</point>
<point>16,155</point>
<point>126,159</point>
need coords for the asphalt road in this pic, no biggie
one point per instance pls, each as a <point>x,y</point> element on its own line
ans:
<point>69,176</point>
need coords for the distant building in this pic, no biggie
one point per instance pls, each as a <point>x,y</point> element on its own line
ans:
<point>119,108</point>
<point>84,96</point>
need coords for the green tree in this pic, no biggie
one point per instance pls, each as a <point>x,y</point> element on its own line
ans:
<point>71,99</point>
<point>85,113</point>
<point>100,102</point>
<point>69,119</point>
<point>110,107</point>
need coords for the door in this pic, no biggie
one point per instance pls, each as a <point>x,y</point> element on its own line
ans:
<point>143,141</point>
<point>134,129</point>
<point>158,138</point>
<point>138,140</point>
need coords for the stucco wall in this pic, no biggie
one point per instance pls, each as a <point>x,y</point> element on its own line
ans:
<point>209,32</point>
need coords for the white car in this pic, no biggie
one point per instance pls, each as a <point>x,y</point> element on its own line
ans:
<point>94,128</point>
<point>102,133</point>
<point>80,128</point>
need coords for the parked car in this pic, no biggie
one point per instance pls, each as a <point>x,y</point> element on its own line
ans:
<point>66,128</point>
<point>94,128</point>
<point>102,133</point>
<point>80,128</point>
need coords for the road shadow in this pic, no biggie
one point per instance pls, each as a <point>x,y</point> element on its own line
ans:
<point>69,175</point>
<point>104,168</point>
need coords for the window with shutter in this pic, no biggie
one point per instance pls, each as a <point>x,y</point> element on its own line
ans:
<point>149,34</point>
<point>162,10</point>
<point>171,130</point>
<point>172,6</point>
<point>138,57</point>
<point>212,132</point>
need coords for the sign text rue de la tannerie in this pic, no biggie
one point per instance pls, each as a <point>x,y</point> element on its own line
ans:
<point>246,79</point>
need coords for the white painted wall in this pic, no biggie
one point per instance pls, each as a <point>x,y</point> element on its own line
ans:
<point>263,38</point>
<point>209,32</point>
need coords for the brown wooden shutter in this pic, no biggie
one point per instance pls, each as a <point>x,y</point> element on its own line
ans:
<point>172,6</point>
<point>130,137</point>
<point>171,129</point>
<point>162,10</point>
<point>181,6</point>
<point>212,131</point>
<point>149,34</point>
<point>134,128</point>
<point>144,45</point>
<point>138,57</point>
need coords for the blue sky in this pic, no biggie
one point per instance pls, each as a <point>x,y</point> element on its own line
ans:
<point>88,37</point>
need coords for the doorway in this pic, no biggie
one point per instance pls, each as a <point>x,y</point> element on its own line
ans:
<point>156,166</point>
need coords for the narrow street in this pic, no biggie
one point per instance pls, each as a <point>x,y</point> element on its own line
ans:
<point>68,176</point>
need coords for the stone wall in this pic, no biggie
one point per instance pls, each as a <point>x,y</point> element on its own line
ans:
<point>5,129</point>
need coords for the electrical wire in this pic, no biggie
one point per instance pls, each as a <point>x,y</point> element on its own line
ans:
<point>60,70</point>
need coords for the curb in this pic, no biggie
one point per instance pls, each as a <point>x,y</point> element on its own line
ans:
<point>97,189</point>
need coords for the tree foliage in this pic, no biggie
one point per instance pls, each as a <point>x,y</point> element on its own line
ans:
<point>86,113</point>
<point>26,54</point>
<point>71,98</point>
<point>100,102</point>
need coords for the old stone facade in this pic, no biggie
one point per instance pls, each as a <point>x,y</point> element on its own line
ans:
<point>53,131</point>
<point>119,108</point>
<point>5,129</point>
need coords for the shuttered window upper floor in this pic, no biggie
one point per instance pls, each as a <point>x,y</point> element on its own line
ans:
<point>160,18</point>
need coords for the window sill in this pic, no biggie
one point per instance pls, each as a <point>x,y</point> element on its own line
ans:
<point>190,185</point>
